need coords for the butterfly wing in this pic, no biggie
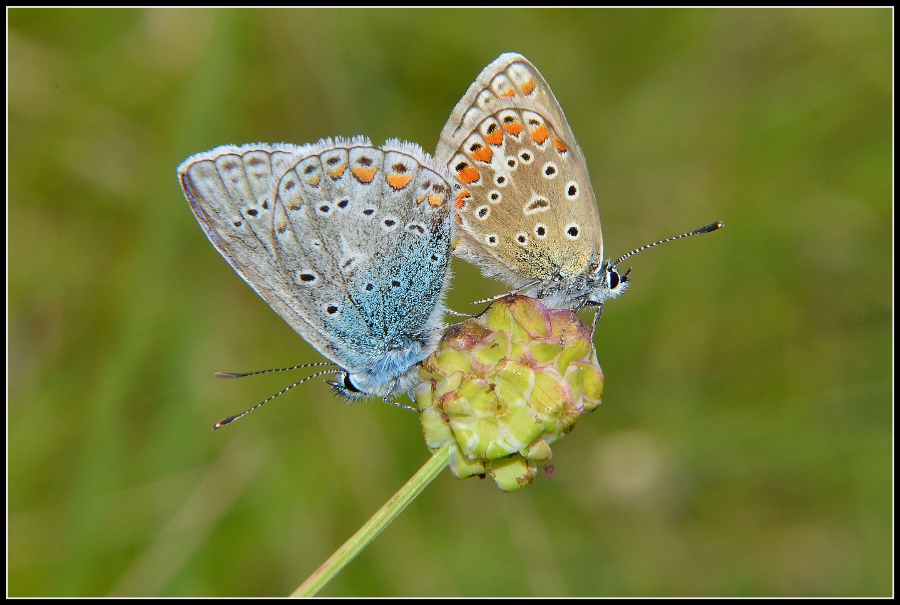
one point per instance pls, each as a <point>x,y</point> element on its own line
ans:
<point>526,209</point>
<point>348,243</point>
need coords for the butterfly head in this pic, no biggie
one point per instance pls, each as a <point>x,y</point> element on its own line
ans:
<point>610,283</point>
<point>598,286</point>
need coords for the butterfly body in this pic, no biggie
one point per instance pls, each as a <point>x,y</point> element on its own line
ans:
<point>347,242</point>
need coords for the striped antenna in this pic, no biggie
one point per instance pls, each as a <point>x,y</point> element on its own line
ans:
<point>230,419</point>
<point>244,374</point>
<point>706,229</point>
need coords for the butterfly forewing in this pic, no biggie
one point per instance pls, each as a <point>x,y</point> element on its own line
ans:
<point>238,221</point>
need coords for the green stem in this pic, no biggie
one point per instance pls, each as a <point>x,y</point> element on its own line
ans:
<point>375,525</point>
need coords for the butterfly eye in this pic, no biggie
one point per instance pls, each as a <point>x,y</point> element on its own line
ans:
<point>613,279</point>
<point>348,385</point>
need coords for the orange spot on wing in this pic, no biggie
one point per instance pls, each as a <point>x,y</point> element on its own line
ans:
<point>509,92</point>
<point>560,146</point>
<point>458,219</point>
<point>336,173</point>
<point>398,181</point>
<point>528,87</point>
<point>364,175</point>
<point>495,137</point>
<point>484,154</point>
<point>462,198</point>
<point>468,175</point>
<point>540,134</point>
<point>313,182</point>
<point>435,200</point>
<point>513,128</point>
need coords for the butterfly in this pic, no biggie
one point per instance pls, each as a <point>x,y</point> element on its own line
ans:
<point>347,242</point>
<point>526,210</point>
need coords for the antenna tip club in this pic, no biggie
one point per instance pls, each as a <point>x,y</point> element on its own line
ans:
<point>710,227</point>
<point>225,421</point>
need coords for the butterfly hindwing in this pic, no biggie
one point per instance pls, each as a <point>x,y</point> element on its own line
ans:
<point>527,209</point>
<point>349,243</point>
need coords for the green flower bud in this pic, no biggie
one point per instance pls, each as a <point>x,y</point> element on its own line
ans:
<point>506,385</point>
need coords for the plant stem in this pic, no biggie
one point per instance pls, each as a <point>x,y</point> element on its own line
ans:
<point>375,525</point>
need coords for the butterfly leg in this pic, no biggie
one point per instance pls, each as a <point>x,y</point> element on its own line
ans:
<point>444,327</point>
<point>397,404</point>
<point>593,323</point>
<point>596,319</point>
<point>505,294</point>
<point>458,314</point>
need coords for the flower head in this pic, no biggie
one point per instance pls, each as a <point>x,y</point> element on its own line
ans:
<point>505,386</point>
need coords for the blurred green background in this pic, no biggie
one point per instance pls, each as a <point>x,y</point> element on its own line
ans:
<point>744,446</point>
